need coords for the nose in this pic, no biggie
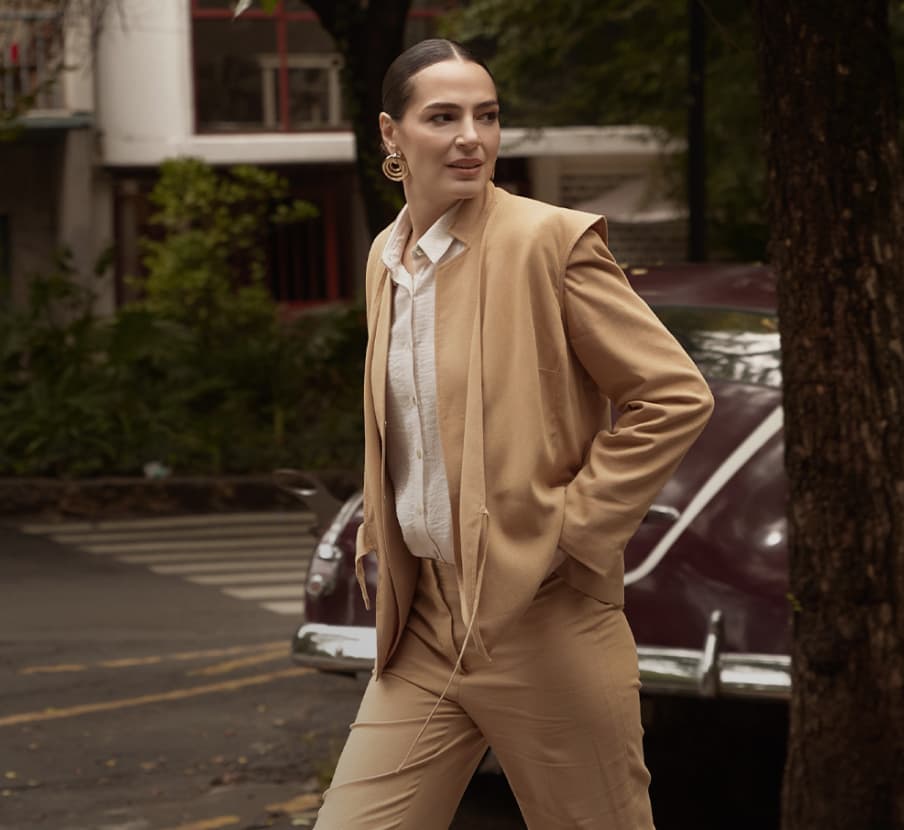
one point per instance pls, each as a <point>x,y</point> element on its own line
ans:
<point>468,136</point>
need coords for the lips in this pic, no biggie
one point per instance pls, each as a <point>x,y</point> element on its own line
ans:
<point>466,164</point>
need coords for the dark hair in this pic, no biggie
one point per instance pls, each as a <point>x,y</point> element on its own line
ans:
<point>397,80</point>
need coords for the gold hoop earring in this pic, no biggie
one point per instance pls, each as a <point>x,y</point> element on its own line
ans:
<point>395,168</point>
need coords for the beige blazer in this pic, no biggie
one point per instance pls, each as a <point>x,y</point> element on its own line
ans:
<point>537,330</point>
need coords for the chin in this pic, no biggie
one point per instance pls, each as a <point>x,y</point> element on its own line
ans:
<point>468,190</point>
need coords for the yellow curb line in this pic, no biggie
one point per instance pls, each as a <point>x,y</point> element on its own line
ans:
<point>129,662</point>
<point>242,662</point>
<point>177,694</point>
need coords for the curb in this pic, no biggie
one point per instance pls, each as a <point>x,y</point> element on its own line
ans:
<point>122,497</point>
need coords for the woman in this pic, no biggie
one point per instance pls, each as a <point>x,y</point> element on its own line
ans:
<point>498,497</point>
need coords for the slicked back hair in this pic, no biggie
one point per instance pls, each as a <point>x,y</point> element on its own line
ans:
<point>397,85</point>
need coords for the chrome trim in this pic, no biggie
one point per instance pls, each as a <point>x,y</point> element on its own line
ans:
<point>343,648</point>
<point>754,442</point>
<point>309,489</point>
<point>677,671</point>
<point>710,676</point>
<point>662,514</point>
<point>663,670</point>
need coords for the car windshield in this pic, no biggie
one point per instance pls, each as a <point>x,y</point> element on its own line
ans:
<point>727,344</point>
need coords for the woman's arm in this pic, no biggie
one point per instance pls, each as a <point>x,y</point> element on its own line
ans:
<point>662,398</point>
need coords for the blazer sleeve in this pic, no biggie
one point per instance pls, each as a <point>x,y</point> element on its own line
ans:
<point>663,401</point>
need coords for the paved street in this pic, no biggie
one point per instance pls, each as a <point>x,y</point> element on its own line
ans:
<point>147,683</point>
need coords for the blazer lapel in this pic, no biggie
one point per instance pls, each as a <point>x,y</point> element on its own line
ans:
<point>380,358</point>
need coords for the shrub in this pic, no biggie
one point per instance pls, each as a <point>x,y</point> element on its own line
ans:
<point>199,374</point>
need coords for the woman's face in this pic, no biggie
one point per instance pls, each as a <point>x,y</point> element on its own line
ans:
<point>449,133</point>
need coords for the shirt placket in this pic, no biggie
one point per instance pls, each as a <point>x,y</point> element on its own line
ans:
<point>420,342</point>
<point>418,461</point>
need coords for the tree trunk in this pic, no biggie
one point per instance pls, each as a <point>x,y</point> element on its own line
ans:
<point>836,208</point>
<point>369,36</point>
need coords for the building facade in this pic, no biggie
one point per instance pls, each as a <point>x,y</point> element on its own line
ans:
<point>154,80</point>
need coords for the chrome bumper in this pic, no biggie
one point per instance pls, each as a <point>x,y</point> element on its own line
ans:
<point>705,673</point>
<point>338,648</point>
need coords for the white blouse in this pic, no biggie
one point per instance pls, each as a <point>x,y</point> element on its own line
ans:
<point>414,453</point>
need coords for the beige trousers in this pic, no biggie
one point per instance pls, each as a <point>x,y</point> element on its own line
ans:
<point>558,704</point>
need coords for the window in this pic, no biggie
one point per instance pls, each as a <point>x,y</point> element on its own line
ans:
<point>30,59</point>
<point>273,72</point>
<point>740,346</point>
<point>307,264</point>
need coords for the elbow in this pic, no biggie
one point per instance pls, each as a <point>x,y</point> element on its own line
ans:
<point>705,403</point>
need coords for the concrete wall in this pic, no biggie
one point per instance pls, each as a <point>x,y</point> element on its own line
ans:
<point>78,82</point>
<point>85,213</point>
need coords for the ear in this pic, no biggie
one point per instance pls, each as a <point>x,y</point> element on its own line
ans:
<point>388,132</point>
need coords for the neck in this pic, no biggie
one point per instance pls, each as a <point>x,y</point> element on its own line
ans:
<point>423,213</point>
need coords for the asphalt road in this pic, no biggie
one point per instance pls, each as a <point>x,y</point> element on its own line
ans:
<point>135,700</point>
<point>146,685</point>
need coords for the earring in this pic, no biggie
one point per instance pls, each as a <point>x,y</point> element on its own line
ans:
<point>395,168</point>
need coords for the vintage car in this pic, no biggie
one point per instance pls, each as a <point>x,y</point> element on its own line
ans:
<point>706,573</point>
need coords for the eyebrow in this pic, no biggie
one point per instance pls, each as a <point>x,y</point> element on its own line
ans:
<point>449,105</point>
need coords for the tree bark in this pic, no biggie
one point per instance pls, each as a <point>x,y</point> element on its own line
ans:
<point>369,36</point>
<point>827,83</point>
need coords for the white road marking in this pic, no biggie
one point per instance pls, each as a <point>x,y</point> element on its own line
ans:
<point>249,565</point>
<point>206,544</point>
<point>258,557</point>
<point>207,519</point>
<point>270,577</point>
<point>266,592</point>
<point>209,555</point>
<point>714,484</point>
<point>249,532</point>
<point>291,609</point>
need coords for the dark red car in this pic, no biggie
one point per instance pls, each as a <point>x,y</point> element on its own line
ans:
<point>706,573</point>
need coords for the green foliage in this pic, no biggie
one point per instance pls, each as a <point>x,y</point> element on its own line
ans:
<point>55,410</point>
<point>201,374</point>
<point>561,62</point>
<point>207,268</point>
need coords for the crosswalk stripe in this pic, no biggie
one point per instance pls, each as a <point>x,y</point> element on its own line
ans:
<point>257,557</point>
<point>276,578</point>
<point>206,544</point>
<point>292,609</point>
<point>163,536</point>
<point>277,517</point>
<point>301,553</point>
<point>266,592</point>
<point>213,567</point>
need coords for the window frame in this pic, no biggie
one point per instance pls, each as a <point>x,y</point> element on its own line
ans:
<point>281,18</point>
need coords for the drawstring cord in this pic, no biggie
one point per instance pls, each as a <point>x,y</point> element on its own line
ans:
<point>484,533</point>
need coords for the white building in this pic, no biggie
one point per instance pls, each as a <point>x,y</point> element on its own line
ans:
<point>169,78</point>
